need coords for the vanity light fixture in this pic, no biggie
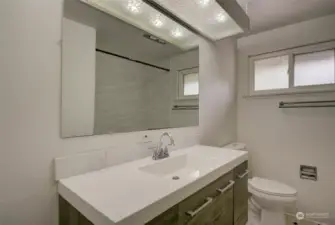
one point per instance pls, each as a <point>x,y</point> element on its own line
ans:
<point>220,17</point>
<point>212,19</point>
<point>134,6</point>
<point>177,32</point>
<point>203,3</point>
<point>158,20</point>
<point>147,18</point>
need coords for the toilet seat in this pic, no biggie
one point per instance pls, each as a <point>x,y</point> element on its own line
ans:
<point>271,187</point>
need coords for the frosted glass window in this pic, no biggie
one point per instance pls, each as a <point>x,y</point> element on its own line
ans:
<point>271,73</point>
<point>314,68</point>
<point>191,84</point>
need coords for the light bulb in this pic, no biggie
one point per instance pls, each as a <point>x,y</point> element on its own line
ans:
<point>220,17</point>
<point>134,6</point>
<point>203,3</point>
<point>177,32</point>
<point>158,20</point>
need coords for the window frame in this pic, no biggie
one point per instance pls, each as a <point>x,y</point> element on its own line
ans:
<point>291,53</point>
<point>180,89</point>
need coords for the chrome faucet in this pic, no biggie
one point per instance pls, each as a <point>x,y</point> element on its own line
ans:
<point>160,152</point>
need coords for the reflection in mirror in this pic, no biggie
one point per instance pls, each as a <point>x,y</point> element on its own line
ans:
<point>119,78</point>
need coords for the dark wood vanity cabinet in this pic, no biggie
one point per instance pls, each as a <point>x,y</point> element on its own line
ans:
<point>68,215</point>
<point>222,202</point>
<point>241,194</point>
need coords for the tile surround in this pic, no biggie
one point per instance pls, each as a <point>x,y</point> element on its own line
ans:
<point>79,163</point>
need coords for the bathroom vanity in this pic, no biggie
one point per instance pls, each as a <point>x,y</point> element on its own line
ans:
<point>194,186</point>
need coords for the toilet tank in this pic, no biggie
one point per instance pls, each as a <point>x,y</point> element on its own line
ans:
<point>241,147</point>
<point>237,146</point>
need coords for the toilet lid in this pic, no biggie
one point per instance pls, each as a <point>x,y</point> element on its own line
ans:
<point>272,187</point>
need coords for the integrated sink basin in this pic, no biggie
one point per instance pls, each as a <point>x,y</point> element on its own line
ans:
<point>180,166</point>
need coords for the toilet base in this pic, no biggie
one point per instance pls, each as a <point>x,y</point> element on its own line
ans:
<point>254,213</point>
<point>258,216</point>
<point>272,217</point>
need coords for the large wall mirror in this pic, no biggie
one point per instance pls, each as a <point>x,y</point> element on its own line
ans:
<point>132,72</point>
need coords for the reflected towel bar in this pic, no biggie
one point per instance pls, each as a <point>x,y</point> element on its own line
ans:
<point>185,107</point>
<point>307,104</point>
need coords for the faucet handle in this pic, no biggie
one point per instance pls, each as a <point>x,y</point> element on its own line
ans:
<point>155,155</point>
<point>172,142</point>
<point>166,152</point>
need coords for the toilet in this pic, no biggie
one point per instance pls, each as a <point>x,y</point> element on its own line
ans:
<point>269,198</point>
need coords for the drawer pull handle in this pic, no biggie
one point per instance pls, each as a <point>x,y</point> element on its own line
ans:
<point>195,212</point>
<point>225,189</point>
<point>243,175</point>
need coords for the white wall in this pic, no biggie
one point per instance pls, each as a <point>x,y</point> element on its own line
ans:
<point>218,92</point>
<point>78,78</point>
<point>280,140</point>
<point>30,115</point>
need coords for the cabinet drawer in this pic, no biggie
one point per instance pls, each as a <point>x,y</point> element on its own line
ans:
<point>241,191</point>
<point>206,204</point>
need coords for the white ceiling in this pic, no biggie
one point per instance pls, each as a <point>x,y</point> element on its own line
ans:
<point>269,14</point>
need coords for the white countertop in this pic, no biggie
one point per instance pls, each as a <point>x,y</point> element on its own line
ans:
<point>126,195</point>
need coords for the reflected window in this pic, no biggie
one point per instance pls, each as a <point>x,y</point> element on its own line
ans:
<point>188,83</point>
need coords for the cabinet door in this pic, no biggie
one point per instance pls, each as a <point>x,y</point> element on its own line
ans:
<point>219,210</point>
<point>242,220</point>
<point>68,215</point>
<point>216,210</point>
<point>201,215</point>
<point>223,208</point>
<point>169,217</point>
<point>241,191</point>
<point>203,206</point>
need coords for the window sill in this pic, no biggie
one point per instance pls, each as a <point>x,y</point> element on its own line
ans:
<point>291,91</point>
<point>187,98</point>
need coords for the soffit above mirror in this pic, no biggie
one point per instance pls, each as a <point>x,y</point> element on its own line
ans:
<point>179,22</point>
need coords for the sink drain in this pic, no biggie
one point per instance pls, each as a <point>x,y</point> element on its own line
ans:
<point>175,178</point>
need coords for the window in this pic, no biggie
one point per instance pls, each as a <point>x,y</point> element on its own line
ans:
<point>314,68</point>
<point>302,69</point>
<point>188,83</point>
<point>191,84</point>
<point>271,73</point>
